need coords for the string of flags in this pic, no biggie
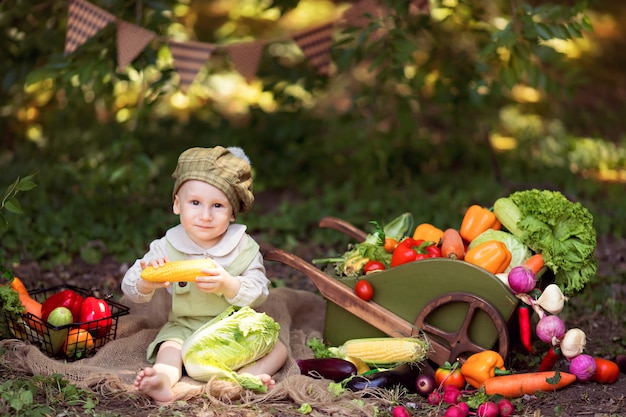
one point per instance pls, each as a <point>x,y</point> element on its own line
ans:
<point>86,20</point>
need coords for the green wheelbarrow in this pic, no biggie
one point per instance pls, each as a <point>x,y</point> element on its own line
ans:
<point>460,307</point>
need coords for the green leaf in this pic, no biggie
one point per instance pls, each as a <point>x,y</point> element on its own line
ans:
<point>507,77</point>
<point>554,379</point>
<point>13,206</point>
<point>543,31</point>
<point>26,183</point>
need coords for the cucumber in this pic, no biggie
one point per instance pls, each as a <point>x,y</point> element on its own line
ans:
<point>59,317</point>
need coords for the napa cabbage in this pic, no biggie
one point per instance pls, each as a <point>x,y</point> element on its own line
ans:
<point>233,339</point>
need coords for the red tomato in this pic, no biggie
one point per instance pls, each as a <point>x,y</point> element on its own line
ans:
<point>364,290</point>
<point>607,371</point>
<point>450,375</point>
<point>373,266</point>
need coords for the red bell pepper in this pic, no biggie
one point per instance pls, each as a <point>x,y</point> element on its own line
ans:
<point>67,298</point>
<point>410,250</point>
<point>96,310</point>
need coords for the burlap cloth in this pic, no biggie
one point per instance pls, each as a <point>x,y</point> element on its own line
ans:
<point>112,370</point>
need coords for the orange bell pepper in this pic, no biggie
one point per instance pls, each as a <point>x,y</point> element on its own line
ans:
<point>476,220</point>
<point>481,366</point>
<point>491,255</point>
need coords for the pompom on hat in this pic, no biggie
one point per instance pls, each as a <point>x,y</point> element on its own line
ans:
<point>227,169</point>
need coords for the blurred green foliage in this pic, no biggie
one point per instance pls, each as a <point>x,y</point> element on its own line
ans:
<point>407,122</point>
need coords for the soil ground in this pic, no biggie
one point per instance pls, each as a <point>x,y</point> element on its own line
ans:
<point>605,329</point>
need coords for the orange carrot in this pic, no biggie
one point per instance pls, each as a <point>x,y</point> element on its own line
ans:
<point>535,263</point>
<point>452,245</point>
<point>31,305</point>
<point>517,385</point>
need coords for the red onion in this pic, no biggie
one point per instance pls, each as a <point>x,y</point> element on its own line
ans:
<point>550,329</point>
<point>583,366</point>
<point>521,279</point>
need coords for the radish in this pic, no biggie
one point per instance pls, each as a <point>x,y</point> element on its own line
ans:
<point>506,408</point>
<point>451,394</point>
<point>400,411</point>
<point>488,409</point>
<point>456,411</point>
<point>464,406</point>
<point>434,398</point>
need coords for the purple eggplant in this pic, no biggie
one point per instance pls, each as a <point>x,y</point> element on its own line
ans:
<point>403,375</point>
<point>335,369</point>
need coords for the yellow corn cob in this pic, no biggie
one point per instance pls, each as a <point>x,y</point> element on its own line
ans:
<point>386,351</point>
<point>177,271</point>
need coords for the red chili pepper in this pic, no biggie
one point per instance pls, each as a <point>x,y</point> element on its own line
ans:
<point>550,359</point>
<point>523,313</point>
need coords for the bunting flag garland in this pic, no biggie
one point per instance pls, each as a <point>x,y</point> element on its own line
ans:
<point>246,57</point>
<point>189,58</point>
<point>131,40</point>
<point>315,44</point>
<point>357,15</point>
<point>84,21</point>
<point>420,6</point>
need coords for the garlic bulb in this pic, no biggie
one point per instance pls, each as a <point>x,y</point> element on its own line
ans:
<point>551,299</point>
<point>573,343</point>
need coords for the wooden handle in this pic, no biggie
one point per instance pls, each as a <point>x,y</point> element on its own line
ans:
<point>342,295</point>
<point>343,227</point>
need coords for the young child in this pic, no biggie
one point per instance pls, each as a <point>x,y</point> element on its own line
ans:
<point>212,186</point>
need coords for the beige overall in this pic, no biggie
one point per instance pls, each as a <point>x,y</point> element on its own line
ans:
<point>188,302</point>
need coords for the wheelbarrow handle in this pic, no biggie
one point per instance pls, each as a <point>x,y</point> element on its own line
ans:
<point>344,296</point>
<point>343,227</point>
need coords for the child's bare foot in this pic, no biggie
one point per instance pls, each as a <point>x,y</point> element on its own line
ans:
<point>267,380</point>
<point>155,385</point>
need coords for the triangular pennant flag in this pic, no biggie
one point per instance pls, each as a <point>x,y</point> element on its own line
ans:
<point>189,57</point>
<point>131,40</point>
<point>419,7</point>
<point>357,14</point>
<point>246,57</point>
<point>83,22</point>
<point>315,44</point>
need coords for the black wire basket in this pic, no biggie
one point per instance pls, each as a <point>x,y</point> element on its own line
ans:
<point>80,340</point>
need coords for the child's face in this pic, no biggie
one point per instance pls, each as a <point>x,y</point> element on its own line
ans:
<point>204,210</point>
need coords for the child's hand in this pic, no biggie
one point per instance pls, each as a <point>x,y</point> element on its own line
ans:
<point>217,280</point>
<point>147,287</point>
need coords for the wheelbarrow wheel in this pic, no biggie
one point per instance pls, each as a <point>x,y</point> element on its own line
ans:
<point>456,345</point>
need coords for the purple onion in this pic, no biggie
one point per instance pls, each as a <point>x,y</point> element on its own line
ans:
<point>583,366</point>
<point>521,279</point>
<point>550,329</point>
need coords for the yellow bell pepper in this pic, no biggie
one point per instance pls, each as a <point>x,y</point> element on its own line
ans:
<point>492,255</point>
<point>428,233</point>
<point>482,365</point>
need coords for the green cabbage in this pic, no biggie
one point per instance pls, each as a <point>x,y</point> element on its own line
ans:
<point>519,252</point>
<point>235,338</point>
